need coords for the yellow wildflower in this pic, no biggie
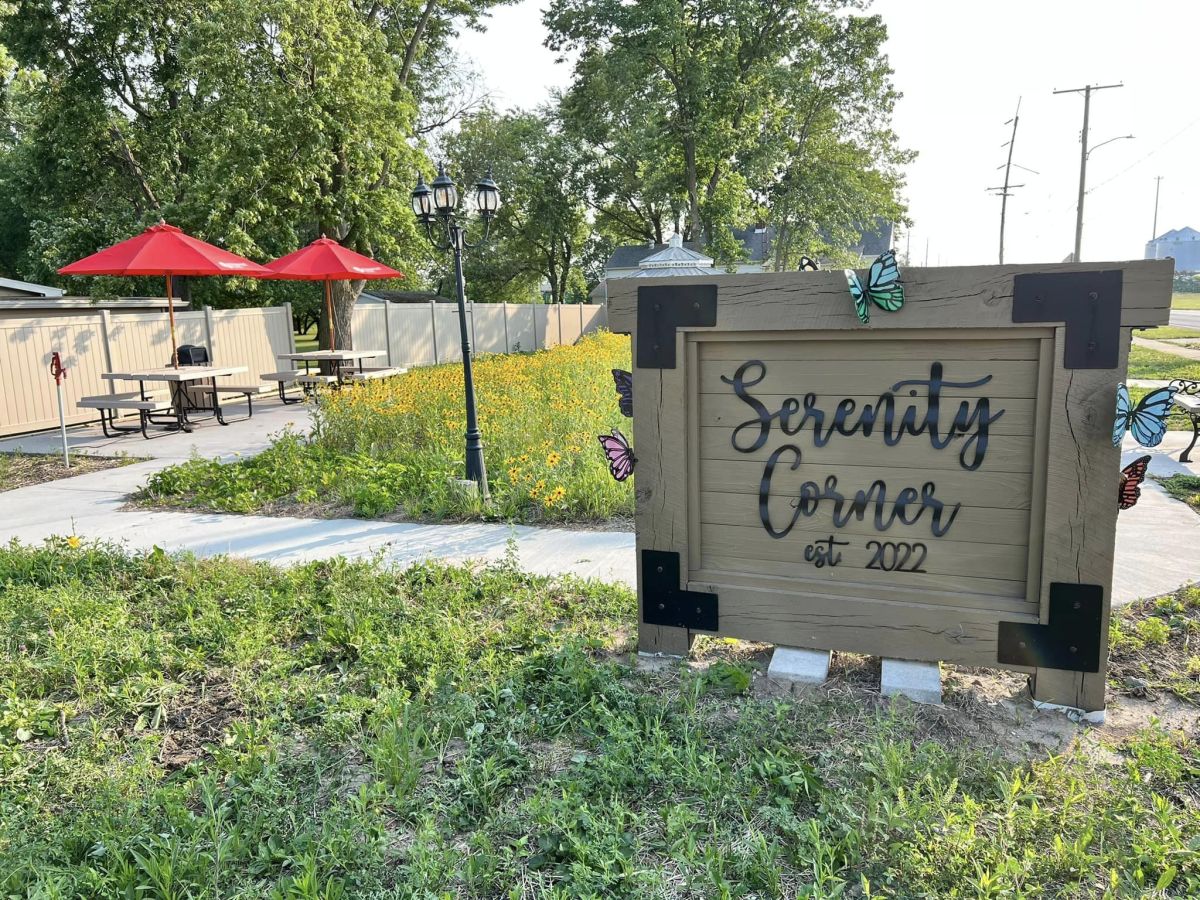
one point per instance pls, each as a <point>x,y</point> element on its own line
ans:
<point>73,542</point>
<point>553,459</point>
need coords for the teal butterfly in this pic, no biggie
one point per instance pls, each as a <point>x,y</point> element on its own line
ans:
<point>883,287</point>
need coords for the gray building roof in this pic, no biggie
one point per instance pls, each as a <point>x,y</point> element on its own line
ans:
<point>11,287</point>
<point>757,243</point>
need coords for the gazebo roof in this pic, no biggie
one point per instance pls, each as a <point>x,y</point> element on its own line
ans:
<point>676,256</point>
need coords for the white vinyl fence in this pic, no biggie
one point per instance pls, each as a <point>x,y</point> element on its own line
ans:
<point>99,341</point>
<point>93,342</point>
<point>421,334</point>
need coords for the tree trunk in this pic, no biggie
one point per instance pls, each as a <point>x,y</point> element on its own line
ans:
<point>693,190</point>
<point>345,295</point>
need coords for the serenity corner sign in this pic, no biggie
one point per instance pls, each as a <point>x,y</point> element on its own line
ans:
<point>940,484</point>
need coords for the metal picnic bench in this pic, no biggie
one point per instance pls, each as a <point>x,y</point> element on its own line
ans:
<point>174,411</point>
<point>342,369</point>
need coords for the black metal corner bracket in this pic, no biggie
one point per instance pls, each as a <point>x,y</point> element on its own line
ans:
<point>1088,303</point>
<point>1070,640</point>
<point>664,308</point>
<point>664,602</point>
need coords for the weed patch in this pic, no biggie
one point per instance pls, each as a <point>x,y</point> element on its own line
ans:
<point>342,730</point>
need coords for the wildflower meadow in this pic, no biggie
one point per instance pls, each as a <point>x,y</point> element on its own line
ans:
<point>394,447</point>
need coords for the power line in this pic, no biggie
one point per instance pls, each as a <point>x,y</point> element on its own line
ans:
<point>1186,128</point>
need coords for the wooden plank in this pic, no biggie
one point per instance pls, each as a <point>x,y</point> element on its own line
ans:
<point>1081,508</point>
<point>826,346</point>
<point>1008,378</point>
<point>971,523</point>
<point>1004,452</point>
<point>941,297</point>
<point>964,593</point>
<point>956,558</point>
<point>999,490</point>
<point>729,410</point>
<point>880,628</point>
<point>660,482</point>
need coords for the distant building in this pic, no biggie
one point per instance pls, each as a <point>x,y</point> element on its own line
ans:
<point>1179,244</point>
<point>11,289</point>
<point>756,242</point>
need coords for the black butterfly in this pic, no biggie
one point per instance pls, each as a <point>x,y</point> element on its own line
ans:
<point>624,382</point>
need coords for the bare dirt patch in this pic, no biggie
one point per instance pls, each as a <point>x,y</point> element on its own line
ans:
<point>197,719</point>
<point>19,470</point>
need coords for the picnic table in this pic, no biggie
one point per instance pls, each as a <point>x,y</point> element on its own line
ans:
<point>182,404</point>
<point>336,359</point>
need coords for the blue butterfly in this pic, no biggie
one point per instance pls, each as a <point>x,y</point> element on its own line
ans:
<point>1147,421</point>
<point>883,287</point>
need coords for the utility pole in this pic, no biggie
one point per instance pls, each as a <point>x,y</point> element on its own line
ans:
<point>1157,184</point>
<point>1086,90</point>
<point>1006,190</point>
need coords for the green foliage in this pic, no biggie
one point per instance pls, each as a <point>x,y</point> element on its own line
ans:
<point>258,125</point>
<point>344,730</point>
<point>541,231</point>
<point>394,447</point>
<point>709,116</point>
<point>1183,487</point>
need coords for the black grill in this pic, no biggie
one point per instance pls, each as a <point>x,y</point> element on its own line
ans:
<point>193,355</point>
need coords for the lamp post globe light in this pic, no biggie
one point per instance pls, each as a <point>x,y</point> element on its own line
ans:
<point>436,208</point>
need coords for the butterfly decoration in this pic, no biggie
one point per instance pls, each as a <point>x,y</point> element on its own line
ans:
<point>1147,421</point>
<point>624,382</point>
<point>808,265</point>
<point>1132,477</point>
<point>620,455</point>
<point>883,287</point>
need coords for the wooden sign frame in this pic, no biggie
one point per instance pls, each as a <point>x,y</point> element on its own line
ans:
<point>1058,333</point>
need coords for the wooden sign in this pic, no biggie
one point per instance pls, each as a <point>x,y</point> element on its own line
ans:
<point>938,485</point>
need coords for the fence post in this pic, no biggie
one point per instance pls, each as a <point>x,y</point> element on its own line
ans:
<point>474,340</point>
<point>579,306</point>
<point>387,329</point>
<point>507,346</point>
<point>560,308</point>
<point>433,329</point>
<point>106,343</point>
<point>208,334</point>
<point>291,326</point>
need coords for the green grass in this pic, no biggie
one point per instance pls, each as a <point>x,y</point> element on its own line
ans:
<point>394,447</point>
<point>307,341</point>
<point>1185,301</point>
<point>1167,332</point>
<point>1147,363</point>
<point>1185,488</point>
<point>176,728</point>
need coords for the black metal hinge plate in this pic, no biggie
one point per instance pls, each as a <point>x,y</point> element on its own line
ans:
<point>1070,640</point>
<point>1088,303</point>
<point>664,602</point>
<point>664,308</point>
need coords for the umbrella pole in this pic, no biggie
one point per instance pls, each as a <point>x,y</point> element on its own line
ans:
<point>329,314</point>
<point>171,314</point>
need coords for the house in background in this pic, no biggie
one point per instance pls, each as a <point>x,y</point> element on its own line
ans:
<point>1179,244</point>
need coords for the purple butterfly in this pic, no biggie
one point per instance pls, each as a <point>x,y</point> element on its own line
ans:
<point>620,456</point>
<point>624,383</point>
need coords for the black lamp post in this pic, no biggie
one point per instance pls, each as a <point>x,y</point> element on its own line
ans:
<point>436,208</point>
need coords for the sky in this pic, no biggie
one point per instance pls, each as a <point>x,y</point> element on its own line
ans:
<point>962,65</point>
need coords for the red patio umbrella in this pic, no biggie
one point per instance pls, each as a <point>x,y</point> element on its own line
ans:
<point>163,249</point>
<point>328,261</point>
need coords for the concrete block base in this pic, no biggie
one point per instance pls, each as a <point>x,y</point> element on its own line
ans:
<point>920,682</point>
<point>791,667</point>
<point>1096,717</point>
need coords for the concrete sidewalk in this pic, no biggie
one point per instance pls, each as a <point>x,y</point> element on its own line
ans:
<point>90,506</point>
<point>1158,541</point>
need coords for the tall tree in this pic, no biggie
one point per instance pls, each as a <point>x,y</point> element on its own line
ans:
<point>260,123</point>
<point>542,230</point>
<point>692,105</point>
